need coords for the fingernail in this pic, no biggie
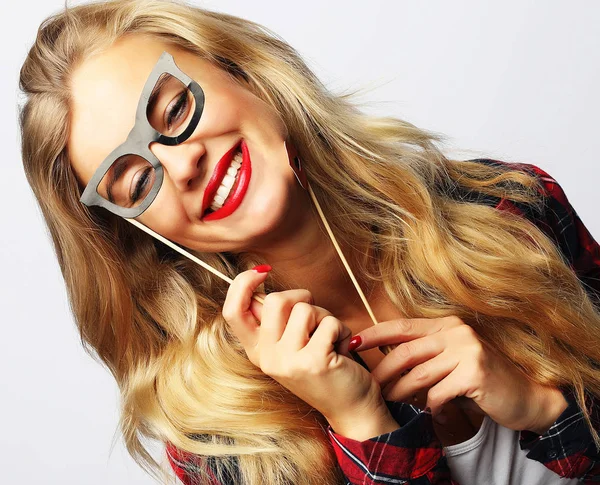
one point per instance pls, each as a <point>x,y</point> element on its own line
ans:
<point>262,268</point>
<point>355,343</point>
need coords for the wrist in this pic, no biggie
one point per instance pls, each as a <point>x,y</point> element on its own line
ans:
<point>552,405</point>
<point>363,424</point>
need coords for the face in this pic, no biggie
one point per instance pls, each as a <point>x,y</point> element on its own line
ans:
<point>106,89</point>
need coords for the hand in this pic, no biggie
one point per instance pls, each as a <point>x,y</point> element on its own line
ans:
<point>447,357</point>
<point>304,348</point>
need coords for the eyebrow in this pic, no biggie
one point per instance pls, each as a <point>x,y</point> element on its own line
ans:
<point>157,87</point>
<point>116,170</point>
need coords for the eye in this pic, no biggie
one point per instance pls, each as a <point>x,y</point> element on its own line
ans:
<point>170,105</point>
<point>177,110</point>
<point>142,185</point>
<point>128,181</point>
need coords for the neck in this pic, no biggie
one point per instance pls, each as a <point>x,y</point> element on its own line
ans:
<point>306,258</point>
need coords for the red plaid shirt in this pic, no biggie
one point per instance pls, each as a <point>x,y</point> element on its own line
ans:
<point>412,454</point>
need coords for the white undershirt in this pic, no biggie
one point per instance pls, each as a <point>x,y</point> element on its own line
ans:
<point>493,457</point>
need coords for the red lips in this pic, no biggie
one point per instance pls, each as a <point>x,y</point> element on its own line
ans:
<point>238,190</point>
<point>217,177</point>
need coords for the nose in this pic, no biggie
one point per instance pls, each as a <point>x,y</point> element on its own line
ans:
<point>181,162</point>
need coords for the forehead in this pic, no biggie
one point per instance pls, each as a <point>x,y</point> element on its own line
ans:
<point>105,90</point>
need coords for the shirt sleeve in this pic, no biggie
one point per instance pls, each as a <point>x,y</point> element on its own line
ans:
<point>410,455</point>
<point>567,448</point>
<point>559,221</point>
<point>189,468</point>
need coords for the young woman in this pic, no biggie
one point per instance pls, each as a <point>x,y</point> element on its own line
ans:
<point>211,132</point>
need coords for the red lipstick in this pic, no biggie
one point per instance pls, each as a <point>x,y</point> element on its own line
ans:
<point>239,187</point>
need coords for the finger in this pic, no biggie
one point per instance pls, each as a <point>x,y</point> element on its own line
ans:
<point>454,385</point>
<point>302,322</point>
<point>276,311</point>
<point>236,308</point>
<point>343,342</point>
<point>406,356</point>
<point>328,333</point>
<point>403,330</point>
<point>422,376</point>
<point>256,306</point>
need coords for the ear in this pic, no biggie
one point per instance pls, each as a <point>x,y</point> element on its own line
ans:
<point>296,164</point>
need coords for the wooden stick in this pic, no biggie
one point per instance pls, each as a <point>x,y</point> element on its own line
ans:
<point>386,349</point>
<point>187,254</point>
<point>341,255</point>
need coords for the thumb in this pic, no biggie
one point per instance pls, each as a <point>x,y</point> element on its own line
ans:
<point>256,306</point>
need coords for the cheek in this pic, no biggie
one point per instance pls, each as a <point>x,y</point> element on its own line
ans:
<point>223,112</point>
<point>232,108</point>
<point>165,203</point>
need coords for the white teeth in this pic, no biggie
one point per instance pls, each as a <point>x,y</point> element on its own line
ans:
<point>222,191</point>
<point>227,182</point>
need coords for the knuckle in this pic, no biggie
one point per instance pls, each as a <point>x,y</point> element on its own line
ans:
<point>320,312</point>
<point>404,352</point>
<point>434,397</point>
<point>420,372</point>
<point>329,321</point>
<point>466,333</point>
<point>303,308</point>
<point>274,299</point>
<point>454,320</point>
<point>307,295</point>
<point>228,313</point>
<point>403,326</point>
<point>478,351</point>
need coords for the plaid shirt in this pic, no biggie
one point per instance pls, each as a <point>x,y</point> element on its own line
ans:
<point>412,454</point>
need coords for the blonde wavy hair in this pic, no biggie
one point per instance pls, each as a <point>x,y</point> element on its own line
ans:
<point>154,318</point>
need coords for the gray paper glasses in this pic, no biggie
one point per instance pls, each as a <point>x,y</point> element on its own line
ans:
<point>169,109</point>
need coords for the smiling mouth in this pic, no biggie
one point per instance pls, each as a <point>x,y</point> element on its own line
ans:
<point>227,186</point>
<point>230,178</point>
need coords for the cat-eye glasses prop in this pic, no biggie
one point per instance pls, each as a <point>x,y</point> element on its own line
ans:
<point>168,111</point>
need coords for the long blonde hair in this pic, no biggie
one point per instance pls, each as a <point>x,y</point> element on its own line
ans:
<point>154,318</point>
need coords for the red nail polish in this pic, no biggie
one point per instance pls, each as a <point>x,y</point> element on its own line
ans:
<point>262,268</point>
<point>355,343</point>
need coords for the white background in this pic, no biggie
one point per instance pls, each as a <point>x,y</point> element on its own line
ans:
<point>516,81</point>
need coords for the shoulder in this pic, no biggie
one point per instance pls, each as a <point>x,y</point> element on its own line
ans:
<point>196,470</point>
<point>553,215</point>
<point>559,220</point>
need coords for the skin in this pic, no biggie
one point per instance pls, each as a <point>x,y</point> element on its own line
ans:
<point>275,222</point>
<point>448,358</point>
